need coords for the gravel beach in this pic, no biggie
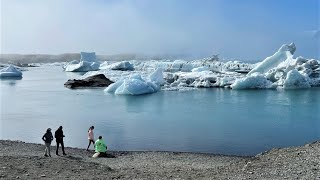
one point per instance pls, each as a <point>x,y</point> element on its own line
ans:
<point>19,160</point>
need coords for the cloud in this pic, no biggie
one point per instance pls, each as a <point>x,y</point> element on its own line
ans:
<point>149,27</point>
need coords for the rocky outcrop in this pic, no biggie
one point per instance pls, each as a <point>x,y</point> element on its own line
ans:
<point>93,81</point>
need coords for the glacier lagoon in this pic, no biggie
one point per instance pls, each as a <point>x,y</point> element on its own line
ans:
<point>213,120</point>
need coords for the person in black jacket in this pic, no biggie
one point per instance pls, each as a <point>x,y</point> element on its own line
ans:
<point>59,139</point>
<point>47,138</point>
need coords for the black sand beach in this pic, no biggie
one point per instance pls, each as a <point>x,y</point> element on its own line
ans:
<point>19,160</point>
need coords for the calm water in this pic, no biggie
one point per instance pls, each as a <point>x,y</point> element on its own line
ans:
<point>206,120</point>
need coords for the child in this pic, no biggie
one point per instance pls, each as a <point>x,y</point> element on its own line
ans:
<point>90,137</point>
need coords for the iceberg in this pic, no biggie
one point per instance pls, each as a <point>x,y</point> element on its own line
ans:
<point>88,62</point>
<point>281,55</point>
<point>272,72</point>
<point>82,66</point>
<point>254,81</point>
<point>88,56</point>
<point>199,69</point>
<point>10,72</point>
<point>122,66</point>
<point>157,77</point>
<point>295,80</point>
<point>281,70</point>
<point>135,85</point>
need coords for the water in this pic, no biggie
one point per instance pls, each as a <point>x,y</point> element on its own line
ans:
<point>205,120</point>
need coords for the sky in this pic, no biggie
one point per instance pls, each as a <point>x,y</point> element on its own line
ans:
<point>246,29</point>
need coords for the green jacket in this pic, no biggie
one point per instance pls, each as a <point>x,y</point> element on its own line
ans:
<point>100,146</point>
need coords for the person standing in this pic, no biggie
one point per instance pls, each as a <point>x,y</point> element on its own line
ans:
<point>47,138</point>
<point>90,137</point>
<point>59,139</point>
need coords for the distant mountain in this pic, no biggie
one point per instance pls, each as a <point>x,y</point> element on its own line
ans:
<point>37,58</point>
<point>48,58</point>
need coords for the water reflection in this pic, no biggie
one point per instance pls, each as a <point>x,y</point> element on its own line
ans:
<point>10,80</point>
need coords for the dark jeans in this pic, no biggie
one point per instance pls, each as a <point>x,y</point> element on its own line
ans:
<point>62,145</point>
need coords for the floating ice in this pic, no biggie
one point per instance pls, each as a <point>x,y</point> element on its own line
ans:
<point>122,66</point>
<point>157,77</point>
<point>199,69</point>
<point>281,55</point>
<point>87,63</point>
<point>88,56</point>
<point>295,80</point>
<point>273,72</point>
<point>283,71</point>
<point>10,71</point>
<point>135,85</point>
<point>254,81</point>
<point>82,66</point>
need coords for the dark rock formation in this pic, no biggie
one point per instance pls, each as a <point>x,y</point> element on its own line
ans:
<point>93,81</point>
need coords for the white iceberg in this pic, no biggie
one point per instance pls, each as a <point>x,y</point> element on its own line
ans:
<point>200,69</point>
<point>82,66</point>
<point>135,85</point>
<point>295,80</point>
<point>281,55</point>
<point>10,71</point>
<point>122,66</point>
<point>254,81</point>
<point>282,70</point>
<point>88,62</point>
<point>88,56</point>
<point>157,77</point>
<point>184,75</point>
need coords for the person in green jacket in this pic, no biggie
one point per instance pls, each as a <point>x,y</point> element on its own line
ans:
<point>101,148</point>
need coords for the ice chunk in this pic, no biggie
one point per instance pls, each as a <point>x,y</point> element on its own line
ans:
<point>157,77</point>
<point>288,47</point>
<point>295,80</point>
<point>88,56</point>
<point>254,81</point>
<point>273,61</point>
<point>199,69</point>
<point>134,85</point>
<point>82,66</point>
<point>122,66</point>
<point>87,63</point>
<point>10,71</point>
<point>104,65</point>
<point>114,86</point>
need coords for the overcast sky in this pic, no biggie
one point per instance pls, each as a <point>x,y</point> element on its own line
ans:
<point>246,29</point>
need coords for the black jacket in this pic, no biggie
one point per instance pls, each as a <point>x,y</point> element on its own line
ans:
<point>47,137</point>
<point>59,135</point>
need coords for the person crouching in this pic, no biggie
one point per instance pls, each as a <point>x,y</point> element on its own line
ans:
<point>101,148</point>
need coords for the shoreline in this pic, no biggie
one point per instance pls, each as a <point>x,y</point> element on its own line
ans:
<point>26,161</point>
